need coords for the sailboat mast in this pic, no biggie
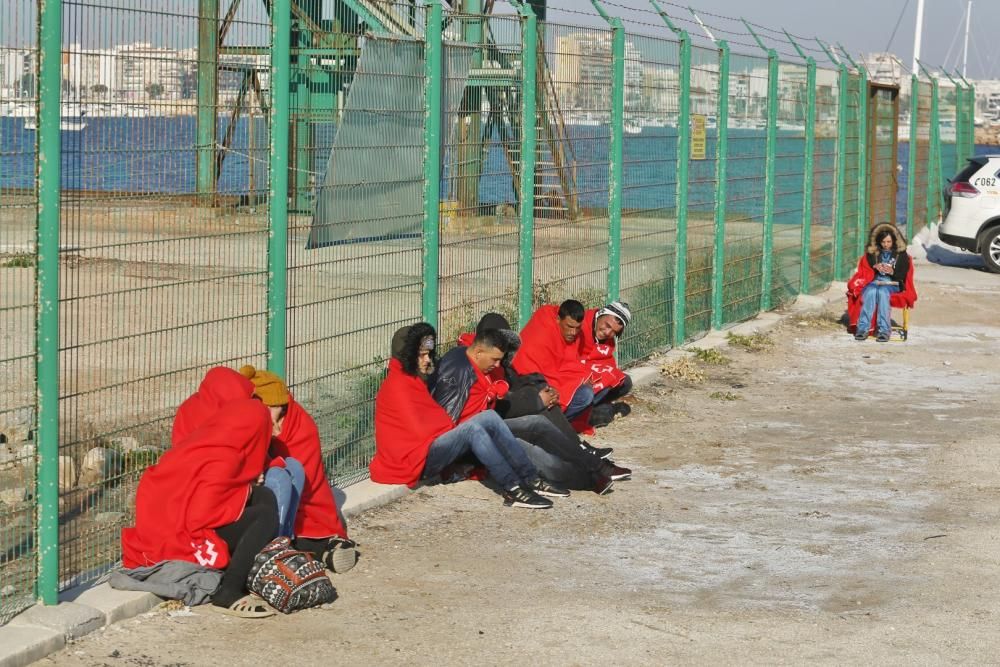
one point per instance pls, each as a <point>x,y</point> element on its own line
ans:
<point>918,33</point>
<point>965,51</point>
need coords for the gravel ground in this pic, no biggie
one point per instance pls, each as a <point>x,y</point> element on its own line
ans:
<point>820,501</point>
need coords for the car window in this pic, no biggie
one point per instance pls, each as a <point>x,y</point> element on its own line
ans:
<point>971,168</point>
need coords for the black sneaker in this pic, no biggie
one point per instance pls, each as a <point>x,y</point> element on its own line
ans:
<point>609,469</point>
<point>543,488</point>
<point>601,415</point>
<point>621,409</point>
<point>599,452</point>
<point>603,485</point>
<point>883,337</point>
<point>860,336</point>
<point>518,497</point>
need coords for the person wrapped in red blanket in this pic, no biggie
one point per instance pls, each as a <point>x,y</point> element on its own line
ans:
<point>884,277</point>
<point>600,330</point>
<point>416,439</point>
<point>318,527</point>
<point>198,502</point>
<point>550,347</point>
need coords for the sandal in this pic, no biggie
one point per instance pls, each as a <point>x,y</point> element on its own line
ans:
<point>341,556</point>
<point>248,606</point>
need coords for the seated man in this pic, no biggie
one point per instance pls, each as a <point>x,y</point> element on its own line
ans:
<point>317,525</point>
<point>601,326</point>
<point>528,408</point>
<point>550,347</point>
<point>416,439</point>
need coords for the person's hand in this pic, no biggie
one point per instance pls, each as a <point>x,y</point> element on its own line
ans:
<point>260,478</point>
<point>549,397</point>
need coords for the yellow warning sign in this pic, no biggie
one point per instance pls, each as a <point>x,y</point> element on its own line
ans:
<point>697,136</point>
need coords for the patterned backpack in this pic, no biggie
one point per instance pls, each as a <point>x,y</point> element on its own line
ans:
<point>288,579</point>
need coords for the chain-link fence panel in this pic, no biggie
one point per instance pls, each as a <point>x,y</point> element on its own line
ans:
<point>745,188</point>
<point>789,198</point>
<point>355,257</point>
<point>649,201</point>
<point>18,214</point>
<point>480,230</point>
<point>572,164</point>
<point>163,263</point>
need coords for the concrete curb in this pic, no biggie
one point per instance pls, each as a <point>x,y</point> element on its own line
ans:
<point>39,631</point>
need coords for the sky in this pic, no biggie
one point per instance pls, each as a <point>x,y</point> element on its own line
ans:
<point>862,26</point>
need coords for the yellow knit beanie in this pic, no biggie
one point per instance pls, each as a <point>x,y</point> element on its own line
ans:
<point>267,386</point>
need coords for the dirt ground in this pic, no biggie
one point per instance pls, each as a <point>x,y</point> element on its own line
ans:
<point>820,501</point>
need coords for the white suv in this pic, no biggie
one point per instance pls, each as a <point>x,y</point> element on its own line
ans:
<point>973,209</point>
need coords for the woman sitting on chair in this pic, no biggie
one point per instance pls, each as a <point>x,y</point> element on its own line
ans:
<point>882,271</point>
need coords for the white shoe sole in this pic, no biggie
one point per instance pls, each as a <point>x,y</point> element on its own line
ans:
<point>343,560</point>
<point>528,507</point>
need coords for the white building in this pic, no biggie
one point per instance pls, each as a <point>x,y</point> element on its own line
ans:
<point>14,65</point>
<point>145,71</point>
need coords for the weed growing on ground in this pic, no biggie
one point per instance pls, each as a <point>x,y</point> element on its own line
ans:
<point>725,396</point>
<point>709,356</point>
<point>19,262</point>
<point>757,342</point>
<point>683,369</point>
<point>819,321</point>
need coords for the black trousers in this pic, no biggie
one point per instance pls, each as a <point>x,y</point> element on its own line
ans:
<point>572,466</point>
<point>246,537</point>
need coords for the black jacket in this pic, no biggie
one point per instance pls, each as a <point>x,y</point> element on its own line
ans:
<point>452,381</point>
<point>523,398</point>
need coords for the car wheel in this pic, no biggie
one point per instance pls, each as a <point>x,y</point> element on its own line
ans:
<point>991,250</point>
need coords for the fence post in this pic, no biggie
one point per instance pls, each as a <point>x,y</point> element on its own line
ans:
<point>970,145</point>
<point>767,249</point>
<point>863,193</point>
<point>808,180</point>
<point>683,160</point>
<point>838,219</point>
<point>208,60</point>
<point>433,49</point>
<point>721,154</point>
<point>767,260</point>
<point>529,83</point>
<point>616,150</point>
<point>47,299</point>
<point>934,178</point>
<point>862,208</point>
<point>809,163</point>
<point>277,238</point>
<point>911,162</point>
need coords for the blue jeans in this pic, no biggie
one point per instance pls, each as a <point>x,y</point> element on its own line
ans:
<point>486,436</point>
<point>582,399</point>
<point>585,397</point>
<point>286,484</point>
<point>875,298</point>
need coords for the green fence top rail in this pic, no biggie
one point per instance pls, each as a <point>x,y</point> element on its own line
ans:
<point>666,19</point>
<point>798,49</point>
<point>848,56</point>
<point>829,54</point>
<point>756,37</point>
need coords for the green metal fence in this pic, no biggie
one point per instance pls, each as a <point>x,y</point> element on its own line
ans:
<point>286,183</point>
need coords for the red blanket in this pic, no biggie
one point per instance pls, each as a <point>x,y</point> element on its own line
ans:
<point>317,515</point>
<point>543,350</point>
<point>219,386</point>
<point>199,486</point>
<point>599,357</point>
<point>864,275</point>
<point>407,420</point>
